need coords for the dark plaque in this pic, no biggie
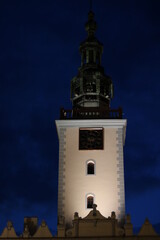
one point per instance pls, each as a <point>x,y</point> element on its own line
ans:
<point>90,138</point>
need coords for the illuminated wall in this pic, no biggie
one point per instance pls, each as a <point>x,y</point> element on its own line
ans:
<point>106,185</point>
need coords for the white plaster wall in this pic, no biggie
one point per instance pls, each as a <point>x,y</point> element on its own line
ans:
<point>104,184</point>
<point>77,184</point>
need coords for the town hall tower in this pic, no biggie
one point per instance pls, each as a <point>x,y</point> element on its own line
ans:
<point>91,139</point>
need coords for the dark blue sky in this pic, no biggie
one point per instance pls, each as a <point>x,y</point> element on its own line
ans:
<point>39,56</point>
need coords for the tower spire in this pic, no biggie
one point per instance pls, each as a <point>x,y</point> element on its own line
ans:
<point>91,87</point>
<point>91,25</point>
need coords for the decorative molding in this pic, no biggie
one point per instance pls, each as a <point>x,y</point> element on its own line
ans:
<point>120,175</point>
<point>61,180</point>
<point>103,123</point>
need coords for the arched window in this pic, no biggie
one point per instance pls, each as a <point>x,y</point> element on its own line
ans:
<point>90,168</point>
<point>90,201</point>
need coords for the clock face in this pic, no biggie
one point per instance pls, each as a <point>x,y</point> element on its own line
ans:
<point>90,138</point>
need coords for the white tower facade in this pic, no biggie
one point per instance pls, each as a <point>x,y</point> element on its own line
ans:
<point>106,183</point>
<point>91,140</point>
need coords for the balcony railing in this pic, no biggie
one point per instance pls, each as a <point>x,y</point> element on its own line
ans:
<point>91,113</point>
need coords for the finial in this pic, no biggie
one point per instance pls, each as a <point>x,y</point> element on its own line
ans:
<point>43,223</point>
<point>91,24</point>
<point>9,225</point>
<point>113,215</point>
<point>94,209</point>
<point>76,216</point>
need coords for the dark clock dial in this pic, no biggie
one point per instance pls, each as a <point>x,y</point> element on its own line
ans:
<point>90,138</point>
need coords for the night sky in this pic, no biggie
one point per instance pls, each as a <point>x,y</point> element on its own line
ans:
<point>39,55</point>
